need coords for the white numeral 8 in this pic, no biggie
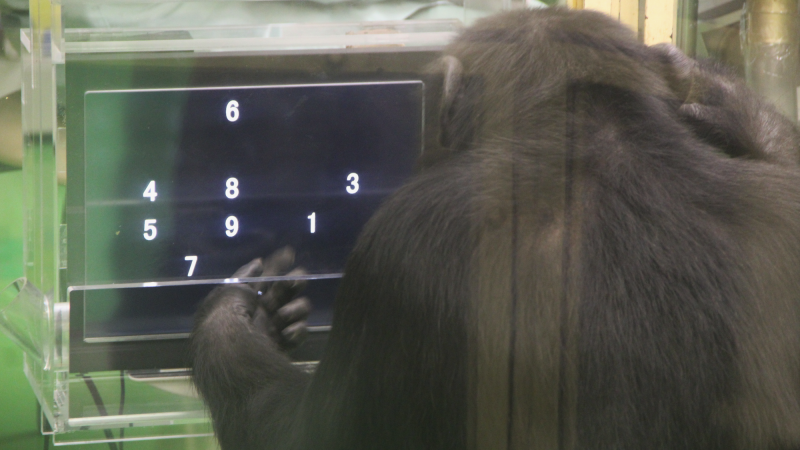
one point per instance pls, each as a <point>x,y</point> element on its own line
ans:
<point>232,186</point>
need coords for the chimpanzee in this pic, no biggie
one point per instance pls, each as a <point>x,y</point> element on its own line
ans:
<point>607,257</point>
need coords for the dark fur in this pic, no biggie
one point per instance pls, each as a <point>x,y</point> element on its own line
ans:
<point>609,259</point>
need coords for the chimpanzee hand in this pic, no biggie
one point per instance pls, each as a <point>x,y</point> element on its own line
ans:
<point>723,112</point>
<point>279,314</point>
<point>268,307</point>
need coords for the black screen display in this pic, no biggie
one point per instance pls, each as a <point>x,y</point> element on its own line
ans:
<point>190,184</point>
<point>207,179</point>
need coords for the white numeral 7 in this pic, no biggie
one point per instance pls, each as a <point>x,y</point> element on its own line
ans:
<point>193,259</point>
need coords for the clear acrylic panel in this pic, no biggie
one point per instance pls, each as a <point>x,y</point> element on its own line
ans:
<point>151,115</point>
<point>119,94</point>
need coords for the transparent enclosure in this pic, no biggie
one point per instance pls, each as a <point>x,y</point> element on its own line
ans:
<point>126,107</point>
<point>168,143</point>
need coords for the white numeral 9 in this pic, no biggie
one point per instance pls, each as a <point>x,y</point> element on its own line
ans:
<point>232,186</point>
<point>232,225</point>
<point>150,230</point>
<point>232,111</point>
<point>353,179</point>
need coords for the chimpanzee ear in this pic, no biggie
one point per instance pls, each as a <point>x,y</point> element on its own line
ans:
<point>452,89</point>
<point>676,68</point>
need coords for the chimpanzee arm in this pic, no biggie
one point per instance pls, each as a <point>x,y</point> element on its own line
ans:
<point>249,384</point>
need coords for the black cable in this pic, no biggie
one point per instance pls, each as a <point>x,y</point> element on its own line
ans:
<point>121,406</point>
<point>46,443</point>
<point>101,407</point>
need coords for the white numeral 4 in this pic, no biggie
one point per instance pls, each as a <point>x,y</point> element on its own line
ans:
<point>151,191</point>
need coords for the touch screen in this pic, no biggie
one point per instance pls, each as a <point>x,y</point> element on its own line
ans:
<point>207,179</point>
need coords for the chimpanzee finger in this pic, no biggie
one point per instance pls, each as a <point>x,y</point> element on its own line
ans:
<point>294,334</point>
<point>252,269</point>
<point>275,264</point>
<point>279,261</point>
<point>295,311</point>
<point>281,293</point>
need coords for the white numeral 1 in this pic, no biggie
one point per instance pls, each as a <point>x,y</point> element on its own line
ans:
<point>150,191</point>
<point>193,259</point>
<point>313,219</point>
<point>150,230</point>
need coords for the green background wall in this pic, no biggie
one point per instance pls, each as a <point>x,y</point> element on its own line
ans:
<point>19,428</point>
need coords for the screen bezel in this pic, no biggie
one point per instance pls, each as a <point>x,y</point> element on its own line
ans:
<point>95,72</point>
